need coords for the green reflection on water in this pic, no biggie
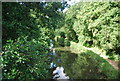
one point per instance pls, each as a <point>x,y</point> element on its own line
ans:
<point>86,65</point>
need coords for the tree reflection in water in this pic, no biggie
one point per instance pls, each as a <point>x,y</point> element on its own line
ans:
<point>81,66</point>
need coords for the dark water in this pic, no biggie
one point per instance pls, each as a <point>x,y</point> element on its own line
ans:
<point>77,65</point>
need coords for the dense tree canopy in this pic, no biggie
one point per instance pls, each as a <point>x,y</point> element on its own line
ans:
<point>30,19</point>
<point>96,24</point>
<point>27,29</point>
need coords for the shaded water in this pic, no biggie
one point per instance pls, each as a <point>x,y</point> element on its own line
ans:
<point>74,66</point>
<point>70,65</point>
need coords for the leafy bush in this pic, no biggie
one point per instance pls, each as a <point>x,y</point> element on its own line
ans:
<point>62,34</point>
<point>61,41</point>
<point>95,24</point>
<point>67,42</point>
<point>25,60</point>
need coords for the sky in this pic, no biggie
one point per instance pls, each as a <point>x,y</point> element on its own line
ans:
<point>70,2</point>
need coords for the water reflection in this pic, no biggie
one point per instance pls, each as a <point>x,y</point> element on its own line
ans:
<point>72,66</point>
<point>78,66</point>
<point>59,74</point>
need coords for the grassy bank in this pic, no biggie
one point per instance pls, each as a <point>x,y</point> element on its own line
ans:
<point>95,66</point>
<point>103,66</point>
<point>96,50</point>
<point>97,55</point>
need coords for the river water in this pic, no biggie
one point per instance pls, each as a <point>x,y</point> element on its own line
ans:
<point>68,65</point>
<point>71,66</point>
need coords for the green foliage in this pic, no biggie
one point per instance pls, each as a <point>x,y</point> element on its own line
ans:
<point>71,35</point>
<point>67,42</point>
<point>62,34</point>
<point>61,41</point>
<point>27,29</point>
<point>25,60</point>
<point>29,19</point>
<point>95,24</point>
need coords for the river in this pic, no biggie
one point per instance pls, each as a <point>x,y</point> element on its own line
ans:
<point>71,65</point>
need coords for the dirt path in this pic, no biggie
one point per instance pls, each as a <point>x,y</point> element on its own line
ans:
<point>113,63</point>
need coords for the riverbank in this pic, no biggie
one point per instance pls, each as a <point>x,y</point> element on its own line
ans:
<point>87,61</point>
<point>115,63</point>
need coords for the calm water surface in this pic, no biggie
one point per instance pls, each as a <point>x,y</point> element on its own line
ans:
<point>74,65</point>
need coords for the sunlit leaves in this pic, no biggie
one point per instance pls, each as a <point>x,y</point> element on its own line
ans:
<point>22,53</point>
<point>27,28</point>
<point>96,22</point>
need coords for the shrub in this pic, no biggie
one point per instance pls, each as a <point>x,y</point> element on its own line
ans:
<point>25,60</point>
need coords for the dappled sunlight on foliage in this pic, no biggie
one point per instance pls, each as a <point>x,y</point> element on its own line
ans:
<point>25,60</point>
<point>31,31</point>
<point>95,24</point>
<point>27,29</point>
